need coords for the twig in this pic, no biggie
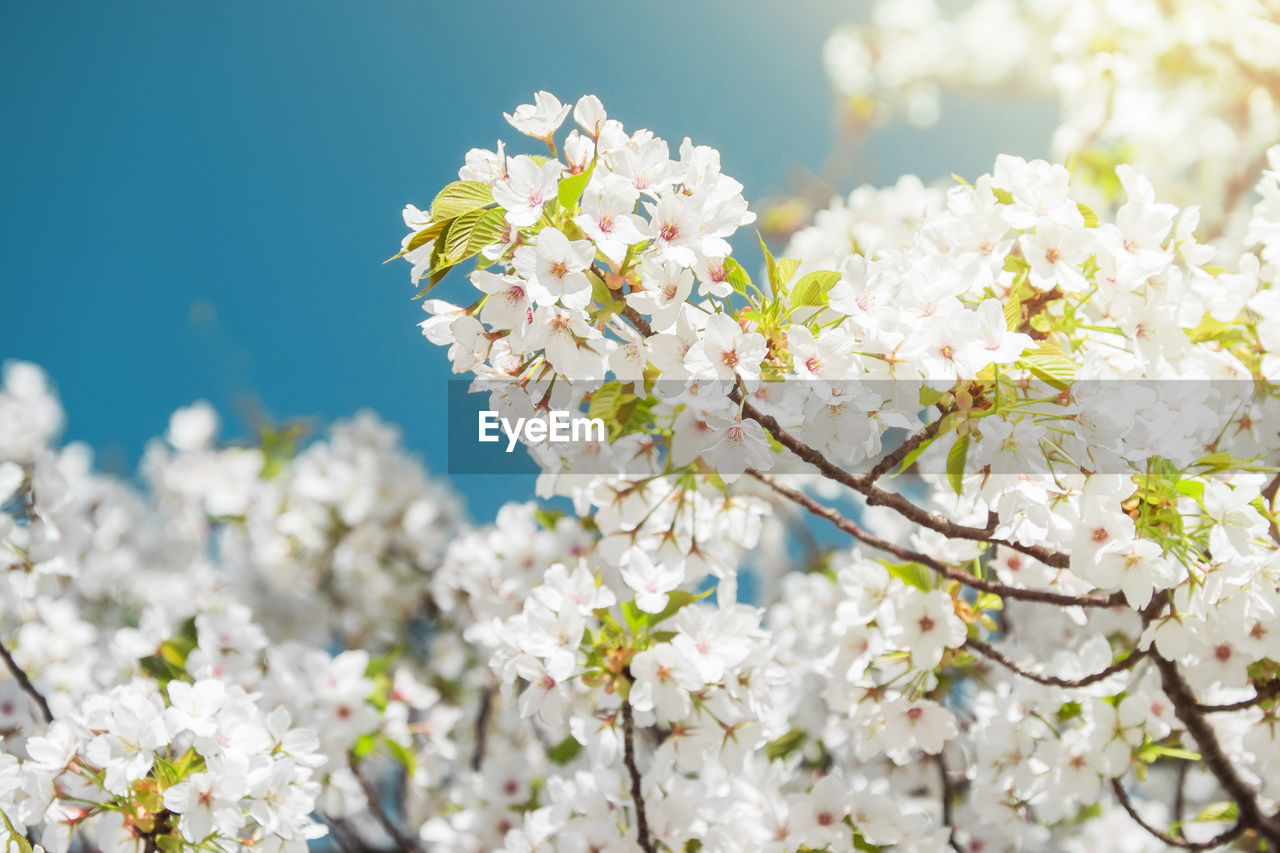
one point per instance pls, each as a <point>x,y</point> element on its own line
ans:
<point>637,795</point>
<point>1236,189</point>
<point>1180,797</point>
<point>403,842</point>
<point>1217,841</point>
<point>1124,663</point>
<point>889,462</point>
<point>341,834</point>
<point>25,683</point>
<point>865,484</point>
<point>642,325</point>
<point>1270,690</point>
<point>983,584</point>
<point>482,726</point>
<point>1188,711</point>
<point>947,818</point>
<point>877,496</point>
<point>1269,498</point>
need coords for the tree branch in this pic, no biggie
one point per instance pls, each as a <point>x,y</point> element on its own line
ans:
<point>889,462</point>
<point>1217,841</point>
<point>1126,662</point>
<point>865,484</point>
<point>1188,711</point>
<point>637,795</point>
<point>1270,690</point>
<point>403,842</point>
<point>944,777</point>
<point>877,496</point>
<point>482,726</point>
<point>983,584</point>
<point>25,683</point>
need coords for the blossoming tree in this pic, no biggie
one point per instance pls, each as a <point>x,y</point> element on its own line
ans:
<point>1037,406</point>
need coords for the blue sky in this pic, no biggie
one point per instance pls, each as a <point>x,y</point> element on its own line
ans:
<point>199,196</point>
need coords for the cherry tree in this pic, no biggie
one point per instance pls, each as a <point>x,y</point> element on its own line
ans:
<point>1035,410</point>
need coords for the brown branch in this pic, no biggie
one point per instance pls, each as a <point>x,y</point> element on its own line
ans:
<point>1126,662</point>
<point>403,842</point>
<point>341,834</point>
<point>637,795</point>
<point>889,462</point>
<point>25,683</point>
<point>1236,189</point>
<point>1188,711</point>
<point>1180,797</point>
<point>642,325</point>
<point>865,484</point>
<point>944,777</point>
<point>876,496</point>
<point>1269,497</point>
<point>482,726</point>
<point>1217,841</point>
<point>983,584</point>
<point>1270,690</point>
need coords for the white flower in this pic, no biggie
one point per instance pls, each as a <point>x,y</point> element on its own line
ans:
<point>540,119</point>
<point>650,580</point>
<point>927,625</point>
<point>727,351</point>
<point>527,188</point>
<point>607,215</point>
<point>555,269</point>
<point>662,677</point>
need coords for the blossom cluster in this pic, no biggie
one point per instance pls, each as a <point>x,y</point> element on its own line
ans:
<point>1185,92</point>
<point>1072,590</point>
<point>220,661</point>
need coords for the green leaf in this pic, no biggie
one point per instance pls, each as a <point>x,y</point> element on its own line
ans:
<point>770,265</point>
<point>169,843</point>
<point>912,574</point>
<point>611,633</point>
<point>1002,196</point>
<point>1150,752</point>
<point>783,746</point>
<point>15,837</point>
<point>632,416</point>
<point>1090,218</point>
<point>911,457</point>
<point>459,197</point>
<point>988,601</point>
<point>364,745</point>
<point>787,270</point>
<point>471,232</point>
<point>634,616</point>
<point>548,517</point>
<point>1013,307</point>
<point>1052,366</point>
<point>402,754</point>
<point>1221,812</point>
<point>1069,711</point>
<point>565,751</point>
<point>439,265</point>
<point>676,601</point>
<point>1016,264</point>
<point>605,402</point>
<point>425,236</point>
<point>737,276</point>
<point>1191,488</point>
<point>812,288</point>
<point>571,188</point>
<point>955,462</point>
